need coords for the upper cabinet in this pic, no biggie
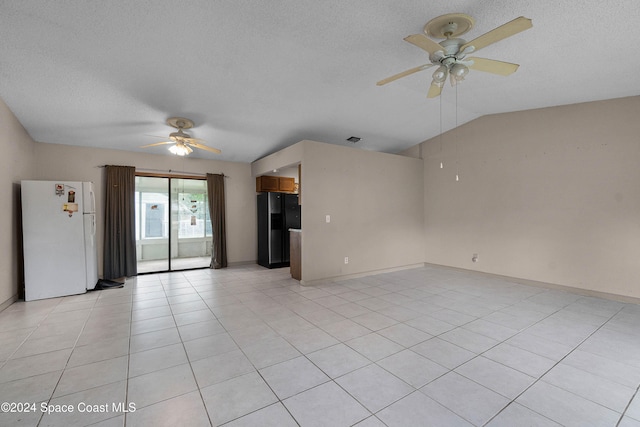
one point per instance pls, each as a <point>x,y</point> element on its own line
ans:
<point>275,183</point>
<point>287,185</point>
<point>267,183</point>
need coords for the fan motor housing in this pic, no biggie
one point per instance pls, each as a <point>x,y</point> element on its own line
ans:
<point>179,135</point>
<point>452,46</point>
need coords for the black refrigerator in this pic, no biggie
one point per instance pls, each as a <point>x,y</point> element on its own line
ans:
<point>277,213</point>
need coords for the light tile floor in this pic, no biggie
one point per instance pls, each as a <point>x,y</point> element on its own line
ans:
<point>247,346</point>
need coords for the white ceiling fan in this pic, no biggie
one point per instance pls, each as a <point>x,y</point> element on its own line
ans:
<point>450,54</point>
<point>181,140</point>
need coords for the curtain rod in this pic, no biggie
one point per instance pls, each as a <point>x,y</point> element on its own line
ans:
<point>170,171</point>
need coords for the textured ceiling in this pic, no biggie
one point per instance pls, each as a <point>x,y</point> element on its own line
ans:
<point>257,76</point>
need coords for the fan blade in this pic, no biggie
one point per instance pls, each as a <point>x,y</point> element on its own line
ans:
<point>201,141</point>
<point>493,66</point>
<point>204,147</point>
<point>173,138</point>
<point>403,74</point>
<point>502,32</point>
<point>434,90</point>
<point>158,143</point>
<point>424,43</point>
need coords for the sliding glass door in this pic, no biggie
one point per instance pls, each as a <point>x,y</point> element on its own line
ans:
<point>173,230</point>
<point>152,223</point>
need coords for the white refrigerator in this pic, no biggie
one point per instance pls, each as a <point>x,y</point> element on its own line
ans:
<point>59,238</point>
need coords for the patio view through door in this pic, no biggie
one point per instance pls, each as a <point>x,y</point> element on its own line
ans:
<point>173,229</point>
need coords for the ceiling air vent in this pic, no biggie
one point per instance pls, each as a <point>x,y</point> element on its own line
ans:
<point>353,139</point>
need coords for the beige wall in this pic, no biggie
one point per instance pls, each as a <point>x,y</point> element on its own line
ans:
<point>15,164</point>
<point>375,201</point>
<point>376,205</point>
<point>71,163</point>
<point>285,158</point>
<point>551,195</point>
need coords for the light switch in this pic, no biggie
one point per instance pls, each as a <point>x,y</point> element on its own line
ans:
<point>328,219</point>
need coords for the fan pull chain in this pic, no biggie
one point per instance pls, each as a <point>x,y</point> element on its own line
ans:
<point>441,163</point>
<point>457,149</point>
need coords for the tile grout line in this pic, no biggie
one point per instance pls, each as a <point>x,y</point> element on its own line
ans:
<point>416,389</point>
<point>126,385</point>
<point>64,369</point>
<point>550,314</point>
<point>554,365</point>
<point>195,379</point>
<point>189,360</point>
<point>628,404</point>
<point>480,354</point>
<point>257,371</point>
<point>30,333</point>
<point>74,347</point>
<point>279,400</point>
<point>169,398</point>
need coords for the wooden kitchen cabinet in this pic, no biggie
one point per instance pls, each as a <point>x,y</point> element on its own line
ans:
<point>267,183</point>
<point>280,184</point>
<point>287,185</point>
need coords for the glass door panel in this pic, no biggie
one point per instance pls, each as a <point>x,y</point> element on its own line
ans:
<point>190,225</point>
<point>152,223</point>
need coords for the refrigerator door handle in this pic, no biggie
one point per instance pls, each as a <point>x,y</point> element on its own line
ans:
<point>93,202</point>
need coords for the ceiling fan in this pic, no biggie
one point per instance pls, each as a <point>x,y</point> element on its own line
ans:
<point>450,54</point>
<point>183,141</point>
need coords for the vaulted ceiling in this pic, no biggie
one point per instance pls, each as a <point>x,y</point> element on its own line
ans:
<point>257,76</point>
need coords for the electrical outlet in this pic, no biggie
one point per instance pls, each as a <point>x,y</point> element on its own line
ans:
<point>346,260</point>
<point>474,258</point>
<point>327,218</point>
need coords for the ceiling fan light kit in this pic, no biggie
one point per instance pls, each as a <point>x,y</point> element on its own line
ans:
<point>183,143</point>
<point>180,149</point>
<point>450,54</point>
